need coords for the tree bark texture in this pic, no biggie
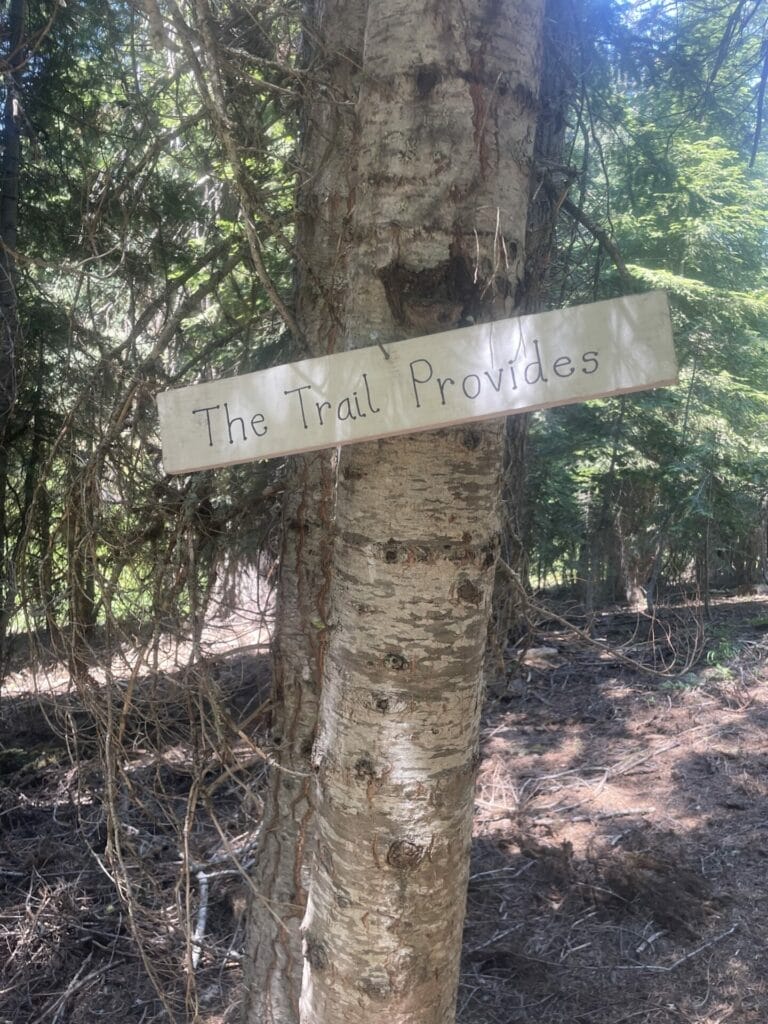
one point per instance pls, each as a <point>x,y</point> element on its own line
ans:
<point>9,210</point>
<point>446,119</point>
<point>273,962</point>
<point>549,185</point>
<point>9,321</point>
<point>274,959</point>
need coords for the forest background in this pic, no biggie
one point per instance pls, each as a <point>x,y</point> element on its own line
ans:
<point>155,234</point>
<point>146,212</point>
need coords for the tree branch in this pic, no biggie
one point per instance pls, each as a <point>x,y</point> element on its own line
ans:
<point>600,235</point>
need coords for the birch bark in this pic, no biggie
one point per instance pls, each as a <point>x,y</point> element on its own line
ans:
<point>446,114</point>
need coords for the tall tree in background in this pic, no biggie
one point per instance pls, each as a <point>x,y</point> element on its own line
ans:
<point>14,59</point>
<point>9,204</point>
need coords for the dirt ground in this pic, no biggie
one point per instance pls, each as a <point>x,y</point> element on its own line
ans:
<point>619,862</point>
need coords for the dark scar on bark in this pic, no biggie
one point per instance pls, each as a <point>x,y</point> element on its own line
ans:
<point>405,855</point>
<point>396,661</point>
<point>468,593</point>
<point>316,953</point>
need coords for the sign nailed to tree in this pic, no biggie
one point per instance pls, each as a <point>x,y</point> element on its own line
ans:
<point>481,372</point>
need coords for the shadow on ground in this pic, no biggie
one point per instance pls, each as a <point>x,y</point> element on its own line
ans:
<point>622,839</point>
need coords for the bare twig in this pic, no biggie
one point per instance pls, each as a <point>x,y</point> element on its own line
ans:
<point>528,602</point>
<point>202,917</point>
<point>683,959</point>
<point>59,1003</point>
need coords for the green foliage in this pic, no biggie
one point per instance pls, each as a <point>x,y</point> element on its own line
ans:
<point>666,483</point>
<point>722,651</point>
<point>135,274</point>
<point>683,684</point>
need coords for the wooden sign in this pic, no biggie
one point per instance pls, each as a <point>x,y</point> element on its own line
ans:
<point>473,373</point>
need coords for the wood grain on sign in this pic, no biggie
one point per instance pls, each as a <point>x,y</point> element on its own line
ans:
<point>489,370</point>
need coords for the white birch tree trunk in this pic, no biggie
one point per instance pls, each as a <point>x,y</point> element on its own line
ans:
<point>446,115</point>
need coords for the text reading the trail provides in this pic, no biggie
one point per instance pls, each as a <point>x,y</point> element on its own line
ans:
<point>489,370</point>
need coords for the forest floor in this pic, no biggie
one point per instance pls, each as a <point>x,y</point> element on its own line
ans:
<point>621,834</point>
